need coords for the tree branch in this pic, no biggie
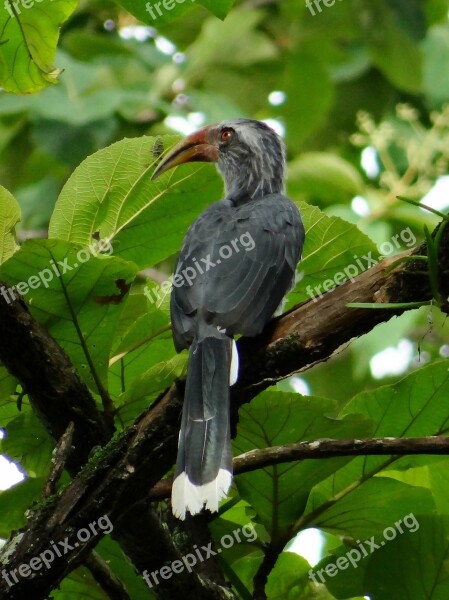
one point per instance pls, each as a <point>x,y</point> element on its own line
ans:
<point>56,392</point>
<point>106,578</point>
<point>133,462</point>
<point>325,448</point>
<point>59,397</point>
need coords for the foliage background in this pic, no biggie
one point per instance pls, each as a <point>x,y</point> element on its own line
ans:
<point>363,108</point>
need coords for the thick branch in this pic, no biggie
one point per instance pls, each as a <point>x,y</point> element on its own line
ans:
<point>56,392</point>
<point>59,398</point>
<point>115,475</point>
<point>313,331</point>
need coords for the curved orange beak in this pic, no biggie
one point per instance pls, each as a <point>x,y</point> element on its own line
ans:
<point>201,146</point>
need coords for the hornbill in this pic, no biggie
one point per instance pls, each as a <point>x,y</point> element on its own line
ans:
<point>237,262</point>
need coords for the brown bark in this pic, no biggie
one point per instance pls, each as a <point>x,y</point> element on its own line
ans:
<point>138,458</point>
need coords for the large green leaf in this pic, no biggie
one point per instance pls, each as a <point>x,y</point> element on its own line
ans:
<point>110,551</point>
<point>79,584</point>
<point>436,60</point>
<point>416,406</point>
<point>29,35</point>
<point>324,176</point>
<point>144,358</point>
<point>16,501</point>
<point>413,565</point>
<point>220,8</point>
<point>33,451</point>
<point>9,217</point>
<point>8,386</point>
<point>309,92</point>
<point>161,13</point>
<point>78,295</point>
<point>111,194</point>
<point>375,504</point>
<point>235,43</point>
<point>391,49</point>
<point>286,580</point>
<point>242,559</point>
<point>277,418</point>
<point>87,95</point>
<point>331,250</point>
<point>150,383</point>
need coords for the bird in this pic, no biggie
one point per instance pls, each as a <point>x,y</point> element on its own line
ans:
<point>237,261</point>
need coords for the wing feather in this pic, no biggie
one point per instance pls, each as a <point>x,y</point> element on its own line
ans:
<point>254,249</point>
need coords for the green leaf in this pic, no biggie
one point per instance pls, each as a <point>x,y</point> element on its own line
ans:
<point>144,360</point>
<point>436,10</point>
<point>391,49</point>
<point>284,581</point>
<point>33,451</point>
<point>79,584</point>
<point>111,194</point>
<point>377,503</point>
<point>78,296</point>
<point>155,12</point>
<point>436,60</point>
<point>344,569</point>
<point>150,383</point>
<point>415,407</point>
<point>29,35</point>
<point>241,560</point>
<point>324,176</point>
<point>135,585</point>
<point>220,8</point>
<point>410,17</point>
<point>15,502</point>
<point>388,305</point>
<point>86,96</point>
<point>414,565</point>
<point>141,322</point>
<point>277,418</point>
<point>310,93</point>
<point>236,43</point>
<point>9,217</point>
<point>433,474</point>
<point>8,385</point>
<point>159,13</point>
<point>332,250</point>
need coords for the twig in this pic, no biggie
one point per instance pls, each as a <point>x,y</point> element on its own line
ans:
<point>105,578</point>
<point>61,453</point>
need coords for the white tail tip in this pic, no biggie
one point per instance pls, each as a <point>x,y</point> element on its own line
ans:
<point>234,370</point>
<point>186,496</point>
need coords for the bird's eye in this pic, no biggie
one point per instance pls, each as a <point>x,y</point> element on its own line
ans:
<point>226,135</point>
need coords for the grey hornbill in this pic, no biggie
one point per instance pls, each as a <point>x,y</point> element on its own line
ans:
<point>232,293</point>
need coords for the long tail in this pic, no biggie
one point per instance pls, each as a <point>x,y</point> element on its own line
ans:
<point>204,464</point>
